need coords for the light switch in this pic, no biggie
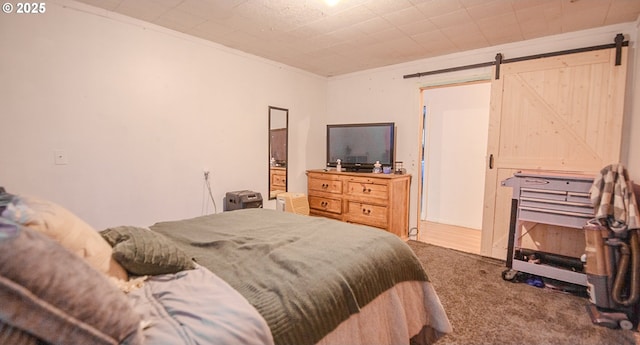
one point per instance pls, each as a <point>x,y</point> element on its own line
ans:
<point>60,157</point>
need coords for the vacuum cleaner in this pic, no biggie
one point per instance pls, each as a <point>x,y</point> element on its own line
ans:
<point>613,275</point>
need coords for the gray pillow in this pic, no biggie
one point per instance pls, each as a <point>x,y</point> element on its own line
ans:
<point>144,252</point>
<point>54,295</point>
<point>16,336</point>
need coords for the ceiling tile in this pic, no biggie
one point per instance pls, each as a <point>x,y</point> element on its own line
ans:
<point>279,19</point>
<point>539,21</point>
<point>110,5</point>
<point>417,27</point>
<point>359,34</point>
<point>356,14</point>
<point>166,3</point>
<point>500,29</point>
<point>388,35</point>
<point>346,18</point>
<point>486,9</point>
<point>178,20</point>
<point>143,9</point>
<point>623,11</point>
<point>327,10</point>
<point>208,9</point>
<point>570,6</point>
<point>322,42</point>
<point>373,25</point>
<point>382,7</point>
<point>436,8</point>
<point>465,36</point>
<point>581,21</point>
<point>434,42</point>
<point>405,16</point>
<point>212,30</point>
<point>352,35</point>
<point>524,4</point>
<point>451,19</point>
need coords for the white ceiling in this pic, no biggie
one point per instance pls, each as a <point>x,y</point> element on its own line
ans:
<point>361,34</point>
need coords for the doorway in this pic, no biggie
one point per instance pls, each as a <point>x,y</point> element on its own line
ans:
<point>454,145</point>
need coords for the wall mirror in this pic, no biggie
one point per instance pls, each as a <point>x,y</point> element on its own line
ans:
<point>278,133</point>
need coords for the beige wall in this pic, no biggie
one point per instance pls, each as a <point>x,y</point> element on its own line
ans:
<point>140,111</point>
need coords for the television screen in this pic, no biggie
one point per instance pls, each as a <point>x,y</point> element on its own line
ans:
<point>360,145</point>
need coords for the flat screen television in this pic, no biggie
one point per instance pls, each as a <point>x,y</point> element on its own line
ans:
<point>359,146</point>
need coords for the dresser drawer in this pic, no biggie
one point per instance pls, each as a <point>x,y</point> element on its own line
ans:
<point>324,185</point>
<point>325,204</point>
<point>367,188</point>
<point>278,180</point>
<point>377,200</point>
<point>373,215</point>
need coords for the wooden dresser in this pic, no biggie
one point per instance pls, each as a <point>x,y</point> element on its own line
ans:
<point>379,200</point>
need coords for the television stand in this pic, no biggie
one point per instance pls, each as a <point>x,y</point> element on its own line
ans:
<point>378,200</point>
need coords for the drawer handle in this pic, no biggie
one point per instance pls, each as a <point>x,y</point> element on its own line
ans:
<point>366,190</point>
<point>325,186</point>
<point>560,212</point>
<point>324,204</point>
<point>366,212</point>
<point>579,195</point>
<point>543,191</point>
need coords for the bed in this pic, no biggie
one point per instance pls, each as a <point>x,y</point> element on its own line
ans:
<point>251,276</point>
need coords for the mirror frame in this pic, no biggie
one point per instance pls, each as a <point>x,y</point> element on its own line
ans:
<point>273,112</point>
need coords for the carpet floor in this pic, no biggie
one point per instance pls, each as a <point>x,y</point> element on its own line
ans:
<point>485,309</point>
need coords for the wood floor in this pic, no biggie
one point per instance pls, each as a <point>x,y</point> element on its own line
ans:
<point>450,236</point>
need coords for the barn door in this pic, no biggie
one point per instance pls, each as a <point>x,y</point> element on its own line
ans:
<point>561,114</point>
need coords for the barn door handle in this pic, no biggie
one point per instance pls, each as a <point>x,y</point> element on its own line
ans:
<point>491,161</point>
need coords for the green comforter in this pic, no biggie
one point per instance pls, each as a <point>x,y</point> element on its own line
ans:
<point>304,275</point>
